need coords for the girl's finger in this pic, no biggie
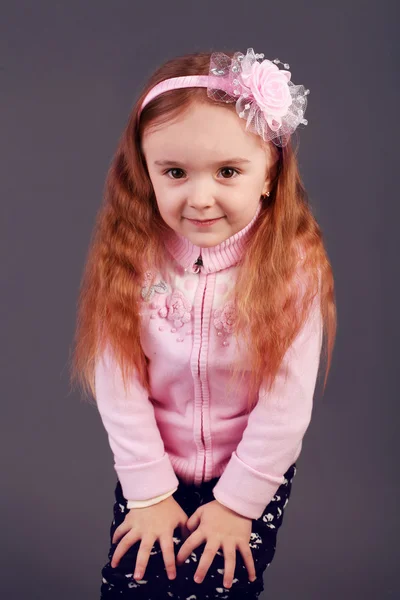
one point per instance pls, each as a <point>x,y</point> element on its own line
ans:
<point>194,540</point>
<point>205,561</point>
<point>167,548</point>
<point>143,556</point>
<point>194,521</point>
<point>120,532</point>
<point>183,527</point>
<point>230,562</point>
<point>245,551</point>
<point>123,547</point>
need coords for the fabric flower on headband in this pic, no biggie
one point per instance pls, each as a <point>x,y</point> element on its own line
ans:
<point>271,104</point>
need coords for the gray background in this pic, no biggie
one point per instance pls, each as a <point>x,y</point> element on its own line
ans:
<point>69,74</point>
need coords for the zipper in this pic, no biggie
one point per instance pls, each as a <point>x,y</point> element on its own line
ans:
<point>202,428</point>
<point>197,268</point>
<point>197,264</point>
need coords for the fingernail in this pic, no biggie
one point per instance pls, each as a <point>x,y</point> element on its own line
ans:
<point>137,575</point>
<point>197,579</point>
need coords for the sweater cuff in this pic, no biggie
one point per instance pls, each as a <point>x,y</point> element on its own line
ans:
<point>147,480</point>
<point>245,490</point>
<point>151,501</point>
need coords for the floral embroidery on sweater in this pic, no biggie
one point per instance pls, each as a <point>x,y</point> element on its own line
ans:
<point>224,317</point>
<point>178,309</point>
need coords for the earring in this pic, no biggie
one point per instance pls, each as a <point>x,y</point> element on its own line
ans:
<point>265,195</point>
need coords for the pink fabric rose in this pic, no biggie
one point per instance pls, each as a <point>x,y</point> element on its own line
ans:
<point>178,309</point>
<point>224,318</point>
<point>269,87</point>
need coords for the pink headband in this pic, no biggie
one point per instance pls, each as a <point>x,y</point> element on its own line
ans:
<point>264,95</point>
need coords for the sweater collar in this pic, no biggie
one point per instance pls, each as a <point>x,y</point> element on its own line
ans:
<point>215,258</point>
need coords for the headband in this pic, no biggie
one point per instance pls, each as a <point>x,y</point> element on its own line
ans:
<point>271,104</point>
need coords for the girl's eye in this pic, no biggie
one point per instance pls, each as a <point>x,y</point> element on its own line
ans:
<point>180,171</point>
<point>230,169</point>
<point>170,170</point>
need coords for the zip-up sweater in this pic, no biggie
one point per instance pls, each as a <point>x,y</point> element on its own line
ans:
<point>189,426</point>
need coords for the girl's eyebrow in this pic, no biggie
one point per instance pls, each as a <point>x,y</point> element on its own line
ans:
<point>228,161</point>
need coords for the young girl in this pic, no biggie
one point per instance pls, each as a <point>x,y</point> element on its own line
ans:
<point>203,308</point>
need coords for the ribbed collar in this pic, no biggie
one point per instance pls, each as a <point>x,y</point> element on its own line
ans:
<point>215,258</point>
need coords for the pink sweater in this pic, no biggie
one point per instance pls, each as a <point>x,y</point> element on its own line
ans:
<point>189,426</point>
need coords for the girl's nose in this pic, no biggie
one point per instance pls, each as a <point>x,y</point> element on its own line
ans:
<point>200,200</point>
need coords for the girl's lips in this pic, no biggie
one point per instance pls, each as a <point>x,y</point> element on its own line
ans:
<point>204,223</point>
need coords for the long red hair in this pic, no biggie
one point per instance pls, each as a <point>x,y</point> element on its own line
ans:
<point>128,237</point>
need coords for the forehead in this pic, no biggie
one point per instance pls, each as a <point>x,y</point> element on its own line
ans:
<point>202,130</point>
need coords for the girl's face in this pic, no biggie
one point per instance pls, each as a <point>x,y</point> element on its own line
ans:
<point>203,166</point>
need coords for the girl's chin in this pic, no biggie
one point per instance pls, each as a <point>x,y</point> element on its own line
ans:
<point>206,241</point>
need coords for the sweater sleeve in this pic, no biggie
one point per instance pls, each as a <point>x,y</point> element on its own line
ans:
<point>151,501</point>
<point>142,465</point>
<point>276,426</point>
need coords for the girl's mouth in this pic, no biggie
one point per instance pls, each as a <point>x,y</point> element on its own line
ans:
<point>204,223</point>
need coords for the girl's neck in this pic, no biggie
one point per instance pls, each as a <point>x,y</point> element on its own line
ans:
<point>214,258</point>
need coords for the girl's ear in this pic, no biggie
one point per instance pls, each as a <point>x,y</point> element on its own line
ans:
<point>266,187</point>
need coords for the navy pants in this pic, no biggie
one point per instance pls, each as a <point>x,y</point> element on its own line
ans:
<point>119,582</point>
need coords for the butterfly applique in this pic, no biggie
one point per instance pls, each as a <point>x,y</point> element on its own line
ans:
<point>157,288</point>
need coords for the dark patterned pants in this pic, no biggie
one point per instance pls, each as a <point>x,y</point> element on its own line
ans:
<point>119,582</point>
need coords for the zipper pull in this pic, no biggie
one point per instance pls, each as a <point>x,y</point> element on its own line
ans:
<point>197,265</point>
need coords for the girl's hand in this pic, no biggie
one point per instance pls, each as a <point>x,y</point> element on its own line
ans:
<point>156,522</point>
<point>218,526</point>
